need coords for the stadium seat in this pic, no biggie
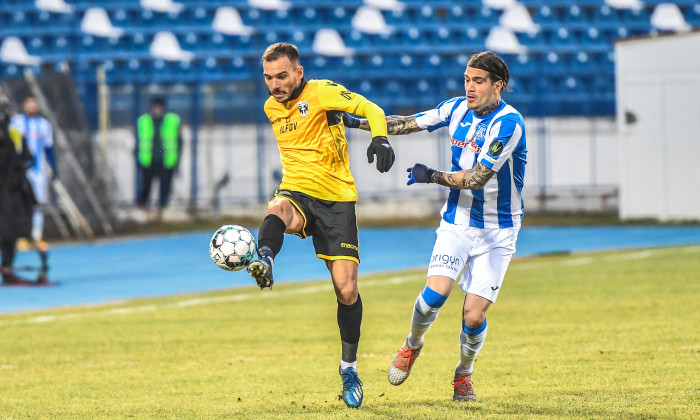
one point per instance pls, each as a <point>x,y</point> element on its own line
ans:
<point>370,21</point>
<point>552,64</point>
<point>563,39</point>
<point>524,66</point>
<point>518,19</point>
<point>535,41</point>
<point>198,16</point>
<point>692,15</point>
<point>576,17</point>
<point>668,17</point>
<point>635,19</point>
<point>605,17</point>
<point>545,17</point>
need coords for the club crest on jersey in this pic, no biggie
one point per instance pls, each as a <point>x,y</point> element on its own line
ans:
<point>303,108</point>
<point>480,132</point>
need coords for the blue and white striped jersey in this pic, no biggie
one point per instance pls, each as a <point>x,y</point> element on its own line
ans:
<point>39,135</point>
<point>497,141</point>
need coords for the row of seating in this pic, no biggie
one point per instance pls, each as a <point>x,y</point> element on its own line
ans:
<point>359,66</point>
<point>412,41</point>
<point>545,16</point>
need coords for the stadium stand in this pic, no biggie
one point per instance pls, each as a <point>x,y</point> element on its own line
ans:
<point>395,47</point>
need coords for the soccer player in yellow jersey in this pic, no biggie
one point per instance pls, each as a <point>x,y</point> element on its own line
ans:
<point>317,194</point>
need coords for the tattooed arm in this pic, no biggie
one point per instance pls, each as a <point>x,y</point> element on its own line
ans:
<point>396,124</point>
<point>469,179</point>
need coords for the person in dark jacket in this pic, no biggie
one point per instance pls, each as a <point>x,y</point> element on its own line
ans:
<point>16,196</point>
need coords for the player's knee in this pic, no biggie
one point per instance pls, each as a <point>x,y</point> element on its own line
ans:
<point>347,295</point>
<point>281,209</point>
<point>473,317</point>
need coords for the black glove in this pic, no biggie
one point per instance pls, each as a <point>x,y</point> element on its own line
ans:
<point>385,154</point>
<point>350,122</point>
<point>419,173</point>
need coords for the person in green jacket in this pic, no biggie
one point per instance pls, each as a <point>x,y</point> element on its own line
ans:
<point>158,150</point>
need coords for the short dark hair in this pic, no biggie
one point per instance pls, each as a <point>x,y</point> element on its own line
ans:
<point>158,101</point>
<point>282,49</point>
<point>493,64</point>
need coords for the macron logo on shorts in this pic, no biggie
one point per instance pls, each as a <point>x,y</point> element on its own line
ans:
<point>351,246</point>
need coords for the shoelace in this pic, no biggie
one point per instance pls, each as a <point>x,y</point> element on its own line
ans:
<point>458,384</point>
<point>406,357</point>
<point>350,376</point>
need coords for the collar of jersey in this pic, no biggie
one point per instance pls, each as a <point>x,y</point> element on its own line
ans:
<point>296,92</point>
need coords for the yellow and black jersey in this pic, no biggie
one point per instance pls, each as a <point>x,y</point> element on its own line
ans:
<point>311,137</point>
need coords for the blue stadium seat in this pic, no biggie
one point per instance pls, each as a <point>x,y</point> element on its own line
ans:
<point>545,16</point>
<point>606,17</point>
<point>340,16</point>
<point>563,39</point>
<point>427,14</point>
<point>536,41</point>
<point>238,43</point>
<point>487,17</point>
<point>580,64</point>
<point>575,16</point>
<point>692,15</point>
<point>410,37</point>
<point>593,37</point>
<point>635,19</point>
<point>524,66</point>
<point>8,70</point>
<point>373,66</point>
<point>198,16</point>
<point>353,39</point>
<point>240,69</point>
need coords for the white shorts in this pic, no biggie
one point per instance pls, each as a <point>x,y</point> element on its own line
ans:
<point>39,185</point>
<point>480,255</point>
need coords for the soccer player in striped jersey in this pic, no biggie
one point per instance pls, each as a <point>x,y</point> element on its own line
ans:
<point>482,215</point>
<point>38,133</point>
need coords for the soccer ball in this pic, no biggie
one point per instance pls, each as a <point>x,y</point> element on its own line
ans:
<point>232,247</point>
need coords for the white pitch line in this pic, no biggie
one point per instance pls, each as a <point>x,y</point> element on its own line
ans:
<point>577,261</point>
<point>636,255</point>
<point>197,302</point>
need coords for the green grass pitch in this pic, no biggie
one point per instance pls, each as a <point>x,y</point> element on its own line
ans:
<point>602,335</point>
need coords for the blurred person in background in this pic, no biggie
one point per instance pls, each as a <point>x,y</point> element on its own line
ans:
<point>16,195</point>
<point>38,133</point>
<point>158,152</point>
<point>481,218</point>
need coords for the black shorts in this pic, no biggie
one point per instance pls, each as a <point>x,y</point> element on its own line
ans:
<point>331,224</point>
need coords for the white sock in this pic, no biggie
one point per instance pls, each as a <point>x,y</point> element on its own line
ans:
<point>37,225</point>
<point>423,317</point>
<point>344,365</point>
<point>470,345</point>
